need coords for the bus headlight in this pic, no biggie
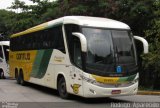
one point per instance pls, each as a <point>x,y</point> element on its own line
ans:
<point>92,81</point>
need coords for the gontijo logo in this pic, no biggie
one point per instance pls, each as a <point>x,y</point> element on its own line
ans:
<point>23,56</point>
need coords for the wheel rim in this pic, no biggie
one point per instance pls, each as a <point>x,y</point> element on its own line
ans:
<point>62,88</point>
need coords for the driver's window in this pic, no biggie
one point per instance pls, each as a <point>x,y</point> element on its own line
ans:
<point>77,52</point>
<point>1,53</point>
<point>74,46</point>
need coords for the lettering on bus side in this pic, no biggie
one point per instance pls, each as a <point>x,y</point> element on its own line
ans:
<point>23,56</point>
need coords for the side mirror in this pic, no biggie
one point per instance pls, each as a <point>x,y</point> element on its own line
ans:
<point>82,40</point>
<point>145,43</point>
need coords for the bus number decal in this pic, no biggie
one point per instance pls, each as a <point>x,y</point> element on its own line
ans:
<point>23,56</point>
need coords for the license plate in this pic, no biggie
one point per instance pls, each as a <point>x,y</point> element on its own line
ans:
<point>116,91</point>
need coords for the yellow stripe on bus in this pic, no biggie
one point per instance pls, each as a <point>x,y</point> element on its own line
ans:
<point>33,29</point>
<point>106,80</point>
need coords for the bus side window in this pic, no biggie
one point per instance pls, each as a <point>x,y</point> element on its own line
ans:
<point>58,41</point>
<point>1,53</point>
<point>6,52</point>
<point>73,44</point>
<point>77,52</point>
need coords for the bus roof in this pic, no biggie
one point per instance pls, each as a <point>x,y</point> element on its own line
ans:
<point>79,20</point>
<point>4,43</point>
<point>95,22</point>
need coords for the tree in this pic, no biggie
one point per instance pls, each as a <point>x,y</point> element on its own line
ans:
<point>143,16</point>
<point>5,25</point>
<point>152,60</point>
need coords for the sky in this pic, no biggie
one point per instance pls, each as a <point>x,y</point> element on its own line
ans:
<point>7,3</point>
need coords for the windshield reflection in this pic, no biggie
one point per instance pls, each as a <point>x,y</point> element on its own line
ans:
<point>107,49</point>
<point>100,47</point>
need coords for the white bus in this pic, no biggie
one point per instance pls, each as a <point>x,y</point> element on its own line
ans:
<point>4,55</point>
<point>84,56</point>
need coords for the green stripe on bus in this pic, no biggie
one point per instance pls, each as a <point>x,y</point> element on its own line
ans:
<point>126,79</point>
<point>123,79</point>
<point>41,63</point>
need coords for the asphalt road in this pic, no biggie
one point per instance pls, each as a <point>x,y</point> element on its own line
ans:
<point>13,95</point>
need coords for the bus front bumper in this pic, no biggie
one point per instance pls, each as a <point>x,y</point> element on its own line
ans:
<point>91,90</point>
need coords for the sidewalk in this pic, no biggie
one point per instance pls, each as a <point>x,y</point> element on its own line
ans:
<point>148,92</point>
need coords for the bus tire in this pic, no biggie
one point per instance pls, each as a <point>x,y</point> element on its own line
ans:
<point>17,76</point>
<point>2,74</point>
<point>62,88</point>
<point>21,78</point>
<point>3,77</point>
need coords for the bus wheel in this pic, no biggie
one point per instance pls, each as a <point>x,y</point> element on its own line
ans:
<point>2,74</point>
<point>62,88</point>
<point>21,78</point>
<point>17,77</point>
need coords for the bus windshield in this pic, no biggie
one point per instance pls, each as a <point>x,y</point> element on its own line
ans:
<point>107,49</point>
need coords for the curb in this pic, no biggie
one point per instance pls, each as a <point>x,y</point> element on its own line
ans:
<point>148,92</point>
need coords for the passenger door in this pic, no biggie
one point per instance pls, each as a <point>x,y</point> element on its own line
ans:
<point>3,63</point>
<point>76,70</point>
<point>1,58</point>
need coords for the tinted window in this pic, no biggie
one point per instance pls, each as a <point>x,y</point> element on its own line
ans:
<point>6,52</point>
<point>51,38</point>
<point>1,53</point>
<point>73,44</point>
<point>124,49</point>
<point>99,45</point>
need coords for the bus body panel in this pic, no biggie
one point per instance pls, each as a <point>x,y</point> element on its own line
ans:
<point>43,66</point>
<point>95,88</point>
<point>22,60</point>
<point>4,67</point>
<point>95,91</point>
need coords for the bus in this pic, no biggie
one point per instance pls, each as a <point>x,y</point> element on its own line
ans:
<point>4,55</point>
<point>81,55</point>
